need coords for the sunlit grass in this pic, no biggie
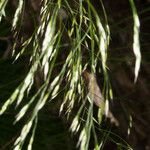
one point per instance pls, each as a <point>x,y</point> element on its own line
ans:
<point>136,40</point>
<point>86,29</point>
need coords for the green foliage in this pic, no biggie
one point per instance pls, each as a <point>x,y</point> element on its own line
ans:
<point>3,4</point>
<point>87,33</point>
